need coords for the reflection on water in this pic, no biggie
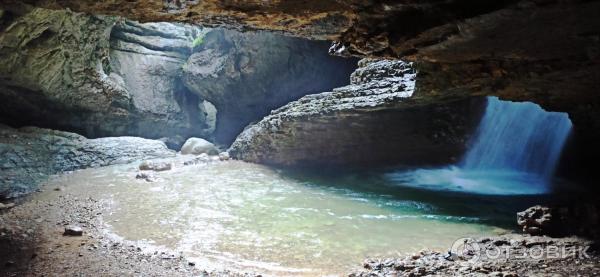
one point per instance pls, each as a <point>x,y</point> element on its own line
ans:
<point>240,215</point>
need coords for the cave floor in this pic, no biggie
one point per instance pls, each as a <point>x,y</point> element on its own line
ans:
<point>32,244</point>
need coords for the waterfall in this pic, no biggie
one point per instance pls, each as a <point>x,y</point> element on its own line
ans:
<point>518,137</point>
<point>515,150</point>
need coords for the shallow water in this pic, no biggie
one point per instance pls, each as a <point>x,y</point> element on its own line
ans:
<point>246,216</point>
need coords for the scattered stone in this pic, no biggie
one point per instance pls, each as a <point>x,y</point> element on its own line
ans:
<point>202,158</point>
<point>73,231</point>
<point>197,146</point>
<point>61,188</point>
<point>6,206</point>
<point>149,177</point>
<point>224,156</point>
<point>450,256</point>
<point>155,166</point>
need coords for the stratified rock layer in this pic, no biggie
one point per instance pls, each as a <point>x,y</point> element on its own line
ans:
<point>29,154</point>
<point>378,119</point>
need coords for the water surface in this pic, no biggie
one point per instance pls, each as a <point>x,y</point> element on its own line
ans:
<point>239,215</point>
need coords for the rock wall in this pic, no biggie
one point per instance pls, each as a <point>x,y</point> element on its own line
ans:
<point>99,76</point>
<point>29,154</point>
<point>246,75</point>
<point>379,119</point>
<point>147,60</point>
<point>546,51</point>
<point>107,76</point>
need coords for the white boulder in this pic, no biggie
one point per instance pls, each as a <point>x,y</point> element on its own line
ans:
<point>197,146</point>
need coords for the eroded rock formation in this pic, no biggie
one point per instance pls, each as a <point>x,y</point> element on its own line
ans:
<point>107,76</point>
<point>246,75</point>
<point>546,51</point>
<point>378,119</point>
<point>29,154</point>
<point>147,60</point>
<point>99,76</point>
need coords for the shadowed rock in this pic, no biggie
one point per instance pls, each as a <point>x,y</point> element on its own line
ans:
<point>379,119</point>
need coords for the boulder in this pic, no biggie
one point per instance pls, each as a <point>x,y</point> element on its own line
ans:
<point>197,146</point>
<point>581,218</point>
<point>537,220</point>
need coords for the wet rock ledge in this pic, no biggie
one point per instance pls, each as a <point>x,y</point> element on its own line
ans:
<point>29,154</point>
<point>378,119</point>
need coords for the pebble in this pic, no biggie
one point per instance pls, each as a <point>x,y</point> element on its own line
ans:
<point>149,177</point>
<point>224,156</point>
<point>73,231</point>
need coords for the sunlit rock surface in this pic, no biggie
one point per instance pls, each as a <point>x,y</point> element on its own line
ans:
<point>29,154</point>
<point>378,119</point>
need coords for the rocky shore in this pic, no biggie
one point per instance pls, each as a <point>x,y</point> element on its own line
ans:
<point>504,256</point>
<point>58,231</point>
<point>32,243</point>
<point>29,155</point>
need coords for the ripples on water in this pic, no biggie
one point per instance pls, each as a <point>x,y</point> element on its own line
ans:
<point>240,215</point>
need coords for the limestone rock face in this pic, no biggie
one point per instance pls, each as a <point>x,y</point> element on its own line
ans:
<point>29,154</point>
<point>246,75</point>
<point>378,119</point>
<point>106,76</point>
<point>147,59</point>
<point>197,146</point>
<point>98,76</point>
<point>518,50</point>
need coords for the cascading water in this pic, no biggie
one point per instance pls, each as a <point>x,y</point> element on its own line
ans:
<point>514,151</point>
